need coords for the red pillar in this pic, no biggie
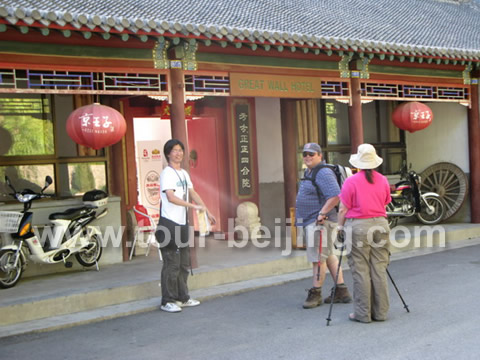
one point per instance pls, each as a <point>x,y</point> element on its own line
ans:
<point>474,148</point>
<point>289,153</point>
<point>355,113</point>
<point>179,131</point>
<point>177,110</point>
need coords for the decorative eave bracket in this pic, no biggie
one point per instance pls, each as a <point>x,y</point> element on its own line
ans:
<point>160,59</point>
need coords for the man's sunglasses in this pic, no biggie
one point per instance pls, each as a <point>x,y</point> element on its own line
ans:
<point>311,154</point>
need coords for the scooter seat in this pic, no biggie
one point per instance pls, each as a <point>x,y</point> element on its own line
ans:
<point>70,214</point>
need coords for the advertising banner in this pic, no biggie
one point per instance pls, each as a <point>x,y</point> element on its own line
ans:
<point>150,164</point>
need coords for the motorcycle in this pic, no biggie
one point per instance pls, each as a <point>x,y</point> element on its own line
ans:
<point>70,234</point>
<point>408,200</point>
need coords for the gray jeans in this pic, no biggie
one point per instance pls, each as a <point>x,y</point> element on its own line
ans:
<point>176,266</point>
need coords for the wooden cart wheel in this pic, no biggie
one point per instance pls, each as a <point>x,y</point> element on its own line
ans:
<point>448,181</point>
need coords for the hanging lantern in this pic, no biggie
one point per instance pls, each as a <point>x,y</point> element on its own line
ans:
<point>96,126</point>
<point>412,116</point>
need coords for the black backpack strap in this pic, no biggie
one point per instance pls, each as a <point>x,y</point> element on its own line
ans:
<point>313,178</point>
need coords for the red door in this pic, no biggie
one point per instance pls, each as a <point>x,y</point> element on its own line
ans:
<point>204,167</point>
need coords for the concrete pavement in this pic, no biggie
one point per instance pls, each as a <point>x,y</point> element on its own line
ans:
<point>441,289</point>
<point>53,302</point>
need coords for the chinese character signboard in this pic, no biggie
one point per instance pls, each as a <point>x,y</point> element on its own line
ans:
<point>243,146</point>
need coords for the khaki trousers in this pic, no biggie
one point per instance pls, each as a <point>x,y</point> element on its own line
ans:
<point>368,261</point>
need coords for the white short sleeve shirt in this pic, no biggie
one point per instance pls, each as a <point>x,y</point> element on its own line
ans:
<point>178,181</point>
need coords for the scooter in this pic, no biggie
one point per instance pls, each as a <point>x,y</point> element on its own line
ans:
<point>68,235</point>
<point>408,200</point>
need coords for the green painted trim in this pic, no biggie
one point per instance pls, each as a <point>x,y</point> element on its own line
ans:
<point>414,71</point>
<point>266,61</point>
<point>77,51</point>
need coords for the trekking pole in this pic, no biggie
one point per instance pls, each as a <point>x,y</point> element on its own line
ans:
<point>319,256</point>
<point>334,290</point>
<point>398,292</point>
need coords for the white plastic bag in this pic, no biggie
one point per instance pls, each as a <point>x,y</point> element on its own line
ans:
<point>203,223</point>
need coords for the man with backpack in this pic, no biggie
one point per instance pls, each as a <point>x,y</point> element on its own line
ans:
<point>316,218</point>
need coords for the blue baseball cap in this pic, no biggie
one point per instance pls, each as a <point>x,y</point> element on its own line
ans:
<point>312,147</point>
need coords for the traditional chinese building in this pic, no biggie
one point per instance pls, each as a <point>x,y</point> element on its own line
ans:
<point>244,85</point>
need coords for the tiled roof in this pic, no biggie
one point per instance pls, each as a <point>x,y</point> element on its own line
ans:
<point>445,28</point>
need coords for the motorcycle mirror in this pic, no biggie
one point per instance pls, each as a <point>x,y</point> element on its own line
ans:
<point>7,181</point>
<point>48,182</point>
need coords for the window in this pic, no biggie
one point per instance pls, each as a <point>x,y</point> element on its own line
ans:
<point>26,126</point>
<point>34,143</point>
<point>328,122</point>
<point>336,118</point>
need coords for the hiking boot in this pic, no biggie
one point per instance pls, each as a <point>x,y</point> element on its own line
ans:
<point>341,295</point>
<point>314,298</point>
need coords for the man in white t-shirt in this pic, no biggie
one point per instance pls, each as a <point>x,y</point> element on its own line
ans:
<point>176,192</point>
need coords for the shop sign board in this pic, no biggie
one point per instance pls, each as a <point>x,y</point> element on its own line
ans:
<point>280,86</point>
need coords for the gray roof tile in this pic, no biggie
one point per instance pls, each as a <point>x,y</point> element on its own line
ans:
<point>427,26</point>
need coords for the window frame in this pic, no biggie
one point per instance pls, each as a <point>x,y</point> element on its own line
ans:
<point>56,159</point>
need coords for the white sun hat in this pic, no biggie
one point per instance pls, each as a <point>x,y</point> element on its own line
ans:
<point>365,158</point>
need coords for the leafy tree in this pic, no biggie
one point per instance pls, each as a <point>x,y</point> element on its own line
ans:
<point>82,179</point>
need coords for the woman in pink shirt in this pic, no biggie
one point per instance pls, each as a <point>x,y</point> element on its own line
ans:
<point>362,217</point>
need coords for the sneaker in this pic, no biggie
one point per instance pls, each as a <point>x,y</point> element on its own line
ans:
<point>341,295</point>
<point>171,307</point>
<point>188,303</point>
<point>314,298</point>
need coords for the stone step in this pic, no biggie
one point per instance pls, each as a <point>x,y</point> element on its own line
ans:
<point>139,306</point>
<point>58,302</point>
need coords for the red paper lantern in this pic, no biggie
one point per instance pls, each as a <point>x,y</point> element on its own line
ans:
<point>412,116</point>
<point>96,126</point>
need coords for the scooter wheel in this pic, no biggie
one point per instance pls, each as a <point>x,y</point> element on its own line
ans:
<point>92,254</point>
<point>10,274</point>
